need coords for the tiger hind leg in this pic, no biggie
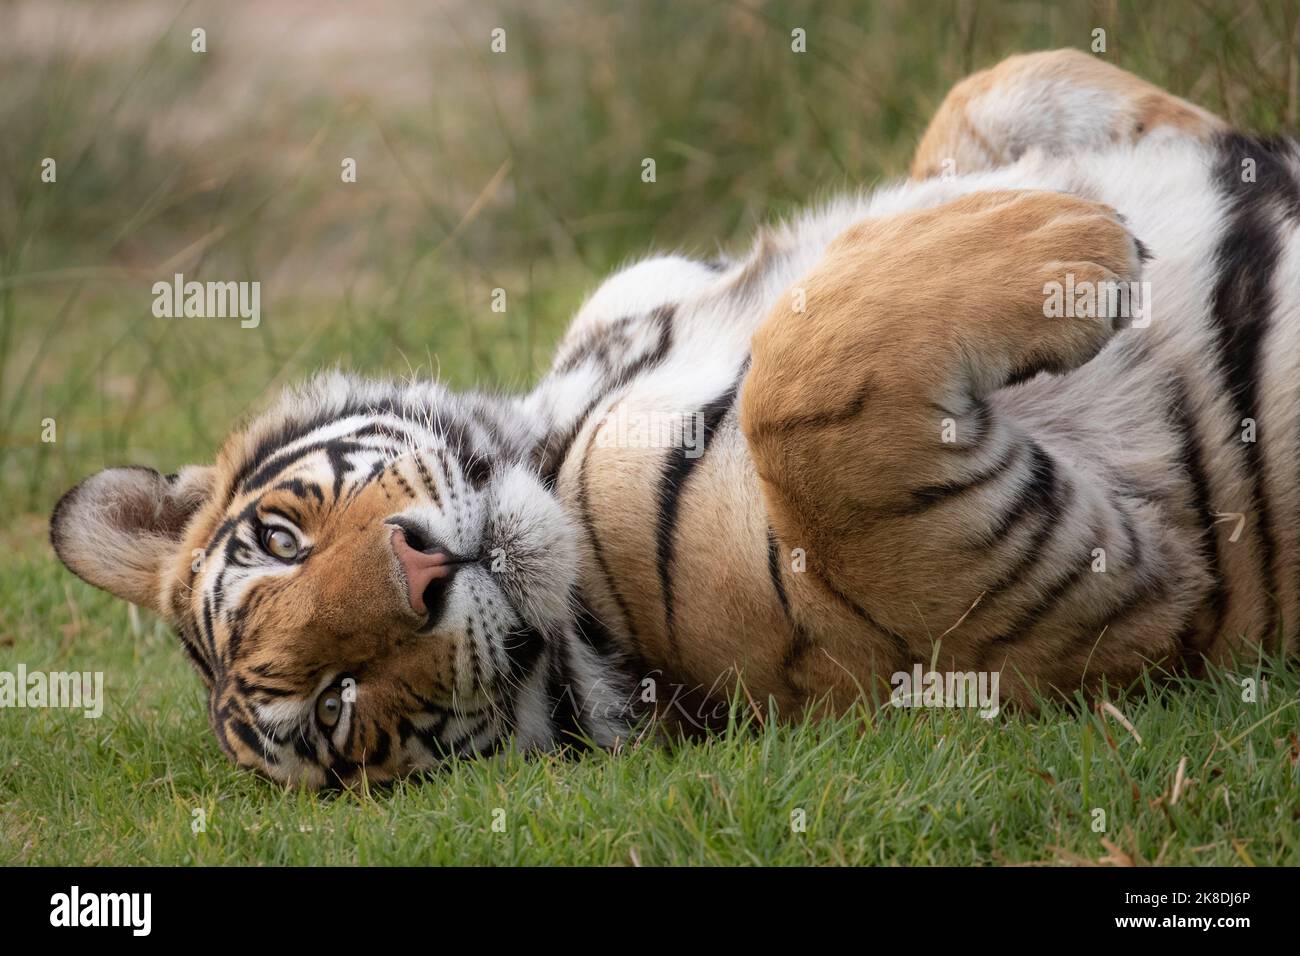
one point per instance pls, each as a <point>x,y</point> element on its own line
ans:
<point>948,529</point>
<point>1060,101</point>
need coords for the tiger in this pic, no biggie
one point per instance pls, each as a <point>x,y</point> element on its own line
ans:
<point>864,444</point>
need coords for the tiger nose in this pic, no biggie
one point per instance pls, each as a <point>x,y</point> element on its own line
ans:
<point>422,568</point>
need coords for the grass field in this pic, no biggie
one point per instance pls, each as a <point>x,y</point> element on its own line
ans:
<point>518,171</point>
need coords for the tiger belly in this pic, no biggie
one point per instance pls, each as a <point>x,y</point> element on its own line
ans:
<point>1177,448</point>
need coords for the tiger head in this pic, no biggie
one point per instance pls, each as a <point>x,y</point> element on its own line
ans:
<point>370,578</point>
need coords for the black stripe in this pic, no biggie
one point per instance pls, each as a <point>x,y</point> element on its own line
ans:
<point>196,654</point>
<point>431,737</point>
<point>249,689</point>
<point>814,420</point>
<point>800,644</point>
<point>1191,458</point>
<point>1030,499</point>
<point>1274,182</point>
<point>382,749</point>
<point>664,317</point>
<point>235,632</point>
<point>427,705</point>
<point>207,628</point>
<point>672,483</point>
<point>301,488</point>
<point>406,486</point>
<point>347,740</point>
<point>601,343</point>
<point>1056,593</point>
<point>271,454</point>
<point>925,498</point>
<point>478,469</point>
<point>293,675</point>
<point>774,570</point>
<point>302,746</point>
<point>597,549</point>
<point>246,734</point>
<point>590,629</point>
<point>552,452</point>
<point>523,648</point>
<point>1046,497</point>
<point>464,744</point>
<point>426,478</point>
<point>376,472</point>
<point>551,463</point>
<point>1145,594</point>
<point>287,512</point>
<point>277,463</point>
<point>1242,302</point>
<point>447,474</point>
<point>336,453</point>
<point>566,717</point>
<point>860,612</point>
<point>1023,373</point>
<point>286,434</point>
<point>476,667</point>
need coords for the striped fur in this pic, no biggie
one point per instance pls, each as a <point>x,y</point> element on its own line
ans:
<point>820,534</point>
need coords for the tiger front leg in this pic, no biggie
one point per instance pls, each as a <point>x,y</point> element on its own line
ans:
<point>878,455</point>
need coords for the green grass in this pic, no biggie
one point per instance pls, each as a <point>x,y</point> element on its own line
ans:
<point>519,171</point>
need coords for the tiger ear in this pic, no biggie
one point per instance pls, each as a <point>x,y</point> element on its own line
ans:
<point>120,527</point>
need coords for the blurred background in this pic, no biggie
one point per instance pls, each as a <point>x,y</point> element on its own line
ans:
<point>475,170</point>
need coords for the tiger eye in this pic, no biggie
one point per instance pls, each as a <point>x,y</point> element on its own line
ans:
<point>281,544</point>
<point>329,706</point>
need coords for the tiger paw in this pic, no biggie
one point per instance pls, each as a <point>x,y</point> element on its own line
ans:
<point>994,286</point>
<point>1081,269</point>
